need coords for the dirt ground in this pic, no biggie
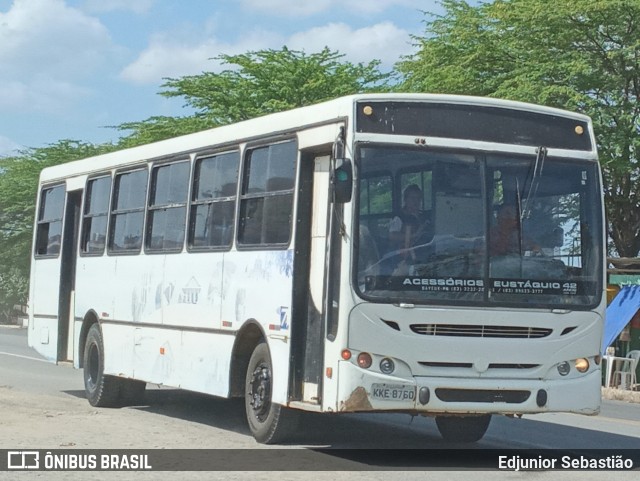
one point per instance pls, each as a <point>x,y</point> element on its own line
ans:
<point>71,422</point>
<point>620,395</point>
<point>67,421</point>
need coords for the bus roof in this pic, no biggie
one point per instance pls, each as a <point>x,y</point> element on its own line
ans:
<point>273,124</point>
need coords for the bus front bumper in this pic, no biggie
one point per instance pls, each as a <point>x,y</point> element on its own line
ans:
<point>362,390</point>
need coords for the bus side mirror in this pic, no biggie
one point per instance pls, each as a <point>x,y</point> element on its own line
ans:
<point>342,180</point>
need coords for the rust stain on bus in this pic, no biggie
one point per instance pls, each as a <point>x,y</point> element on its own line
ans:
<point>358,401</point>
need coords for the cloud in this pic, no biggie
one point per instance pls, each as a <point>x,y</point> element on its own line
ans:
<point>298,8</point>
<point>102,6</point>
<point>368,6</point>
<point>47,35</point>
<point>167,57</point>
<point>46,46</point>
<point>293,8</point>
<point>383,41</point>
<point>8,147</point>
<point>40,93</point>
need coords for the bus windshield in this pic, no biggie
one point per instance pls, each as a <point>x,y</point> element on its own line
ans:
<point>461,227</point>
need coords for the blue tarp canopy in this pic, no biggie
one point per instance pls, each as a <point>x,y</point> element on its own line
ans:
<point>619,313</point>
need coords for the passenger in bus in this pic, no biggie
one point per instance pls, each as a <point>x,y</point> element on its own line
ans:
<point>412,226</point>
<point>505,237</point>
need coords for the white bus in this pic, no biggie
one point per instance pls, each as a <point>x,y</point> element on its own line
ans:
<point>279,260</point>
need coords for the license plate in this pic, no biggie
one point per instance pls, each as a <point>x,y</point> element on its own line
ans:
<point>393,392</point>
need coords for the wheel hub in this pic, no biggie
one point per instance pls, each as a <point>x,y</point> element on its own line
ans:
<point>260,390</point>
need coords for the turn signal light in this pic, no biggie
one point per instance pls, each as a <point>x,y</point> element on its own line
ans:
<point>364,360</point>
<point>346,354</point>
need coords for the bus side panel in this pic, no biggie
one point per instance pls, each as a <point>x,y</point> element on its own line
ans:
<point>199,357</point>
<point>43,311</point>
<point>94,279</point>
<point>205,363</point>
<point>117,339</point>
<point>258,285</point>
<point>191,291</point>
<point>137,288</point>
<point>172,292</point>
<point>190,360</point>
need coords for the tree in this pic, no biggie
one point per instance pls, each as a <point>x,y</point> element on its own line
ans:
<point>18,188</point>
<point>258,83</point>
<point>158,128</point>
<point>582,55</point>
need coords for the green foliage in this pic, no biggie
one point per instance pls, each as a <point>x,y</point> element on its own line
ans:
<point>579,55</point>
<point>255,84</point>
<point>270,81</point>
<point>18,188</point>
<point>159,128</point>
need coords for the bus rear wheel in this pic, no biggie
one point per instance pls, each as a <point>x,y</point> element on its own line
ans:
<point>102,390</point>
<point>269,422</point>
<point>466,429</point>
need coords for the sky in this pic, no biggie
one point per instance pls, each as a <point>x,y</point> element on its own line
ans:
<point>73,69</point>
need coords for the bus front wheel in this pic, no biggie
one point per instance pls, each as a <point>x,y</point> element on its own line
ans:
<point>467,429</point>
<point>102,390</point>
<point>269,422</point>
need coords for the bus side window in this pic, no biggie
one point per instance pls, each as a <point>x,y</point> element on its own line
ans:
<point>213,201</point>
<point>167,207</point>
<point>127,211</point>
<point>95,216</point>
<point>376,208</point>
<point>266,205</point>
<point>49,231</point>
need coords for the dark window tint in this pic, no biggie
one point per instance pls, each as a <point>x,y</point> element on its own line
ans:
<point>167,207</point>
<point>96,211</point>
<point>127,215</point>
<point>267,195</point>
<point>131,190</point>
<point>421,179</point>
<point>473,122</point>
<point>49,229</point>
<point>213,201</point>
<point>376,208</point>
<point>270,169</point>
<point>375,195</point>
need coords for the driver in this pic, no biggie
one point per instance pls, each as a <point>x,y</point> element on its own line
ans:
<point>505,236</point>
<point>411,227</point>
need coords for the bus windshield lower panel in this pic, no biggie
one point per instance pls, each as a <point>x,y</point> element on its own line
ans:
<point>445,227</point>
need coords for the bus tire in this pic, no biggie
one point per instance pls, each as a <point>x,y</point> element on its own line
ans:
<point>463,429</point>
<point>102,390</point>
<point>269,422</point>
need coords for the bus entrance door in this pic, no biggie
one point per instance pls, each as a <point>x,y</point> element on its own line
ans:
<point>66,314</point>
<point>310,277</point>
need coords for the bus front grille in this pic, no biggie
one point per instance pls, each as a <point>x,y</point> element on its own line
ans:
<point>469,365</point>
<point>464,330</point>
<point>482,395</point>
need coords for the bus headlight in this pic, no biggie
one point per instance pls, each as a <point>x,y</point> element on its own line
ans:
<point>582,364</point>
<point>387,366</point>
<point>564,368</point>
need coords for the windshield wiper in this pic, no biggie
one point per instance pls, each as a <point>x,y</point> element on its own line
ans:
<point>541,156</point>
